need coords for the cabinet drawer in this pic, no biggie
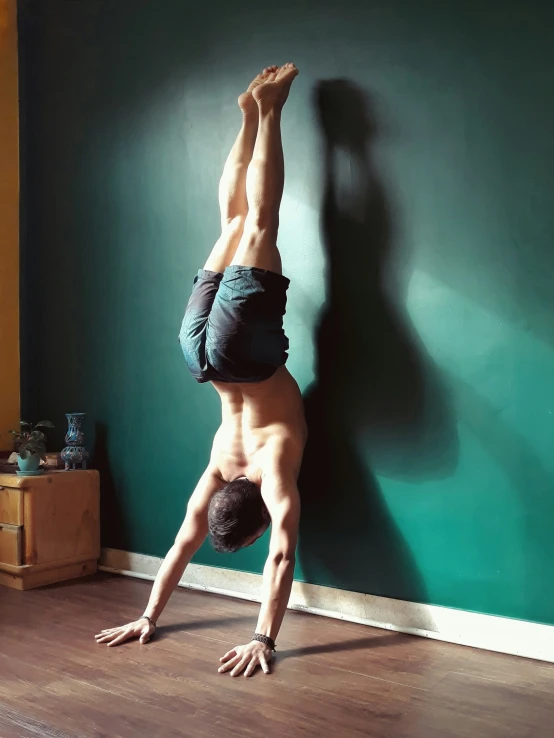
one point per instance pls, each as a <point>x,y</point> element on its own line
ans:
<point>10,544</point>
<point>11,506</point>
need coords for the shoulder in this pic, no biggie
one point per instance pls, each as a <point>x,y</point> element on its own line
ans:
<point>209,483</point>
<point>282,455</point>
<point>279,476</point>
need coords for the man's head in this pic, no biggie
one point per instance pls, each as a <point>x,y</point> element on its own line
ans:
<point>237,516</point>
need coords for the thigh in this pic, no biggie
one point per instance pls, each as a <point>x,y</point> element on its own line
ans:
<point>224,250</point>
<point>204,291</point>
<point>258,249</point>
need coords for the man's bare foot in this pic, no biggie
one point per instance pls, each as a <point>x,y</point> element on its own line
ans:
<point>272,93</point>
<point>246,102</point>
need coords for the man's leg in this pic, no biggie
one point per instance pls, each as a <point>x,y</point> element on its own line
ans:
<point>265,176</point>
<point>232,187</point>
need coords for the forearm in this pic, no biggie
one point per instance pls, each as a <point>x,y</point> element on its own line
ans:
<point>276,587</point>
<point>171,571</point>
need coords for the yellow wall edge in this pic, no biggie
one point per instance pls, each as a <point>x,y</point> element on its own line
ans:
<point>9,224</point>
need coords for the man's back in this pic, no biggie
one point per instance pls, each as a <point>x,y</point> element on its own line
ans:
<point>261,423</point>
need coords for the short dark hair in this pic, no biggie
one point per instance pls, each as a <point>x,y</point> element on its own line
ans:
<point>236,513</point>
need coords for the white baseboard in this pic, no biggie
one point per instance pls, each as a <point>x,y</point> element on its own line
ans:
<point>490,632</point>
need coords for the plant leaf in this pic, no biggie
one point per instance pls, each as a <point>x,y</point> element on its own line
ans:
<point>24,453</point>
<point>24,422</point>
<point>45,424</point>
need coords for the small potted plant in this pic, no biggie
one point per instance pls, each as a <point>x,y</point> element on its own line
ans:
<point>29,444</point>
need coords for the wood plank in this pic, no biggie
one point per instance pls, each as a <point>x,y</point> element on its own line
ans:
<point>326,680</point>
<point>10,544</point>
<point>510,671</point>
<point>10,580</point>
<point>61,517</point>
<point>26,570</point>
<point>11,505</point>
<point>15,481</point>
<point>15,724</point>
<point>28,578</point>
<point>184,701</point>
<point>465,707</point>
<point>122,671</point>
<point>321,640</point>
<point>209,617</point>
<point>12,480</point>
<point>129,597</point>
<point>194,652</point>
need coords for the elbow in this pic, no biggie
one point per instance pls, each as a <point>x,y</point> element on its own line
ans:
<point>284,558</point>
<point>189,542</point>
<point>182,548</point>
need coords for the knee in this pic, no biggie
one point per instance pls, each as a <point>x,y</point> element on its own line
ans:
<point>260,222</point>
<point>232,225</point>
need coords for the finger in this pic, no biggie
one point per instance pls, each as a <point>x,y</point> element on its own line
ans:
<point>264,664</point>
<point>145,637</point>
<point>251,668</point>
<point>239,667</point>
<point>105,632</point>
<point>113,631</point>
<point>230,664</point>
<point>120,638</point>
<point>106,638</point>
<point>229,655</point>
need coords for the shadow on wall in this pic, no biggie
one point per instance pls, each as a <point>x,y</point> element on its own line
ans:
<point>378,403</point>
<point>533,482</point>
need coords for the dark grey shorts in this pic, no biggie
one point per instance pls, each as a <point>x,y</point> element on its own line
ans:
<point>233,325</point>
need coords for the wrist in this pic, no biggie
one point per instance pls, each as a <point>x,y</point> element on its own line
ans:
<point>266,640</point>
<point>150,620</point>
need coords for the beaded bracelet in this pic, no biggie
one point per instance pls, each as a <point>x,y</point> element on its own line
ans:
<point>266,640</point>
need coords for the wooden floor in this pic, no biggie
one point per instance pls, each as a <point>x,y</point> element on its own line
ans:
<point>330,678</point>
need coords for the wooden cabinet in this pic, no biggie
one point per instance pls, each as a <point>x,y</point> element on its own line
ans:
<point>49,527</point>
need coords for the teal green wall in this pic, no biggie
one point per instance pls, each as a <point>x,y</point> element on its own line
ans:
<point>421,306</point>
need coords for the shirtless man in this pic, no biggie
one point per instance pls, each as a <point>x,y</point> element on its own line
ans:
<point>232,336</point>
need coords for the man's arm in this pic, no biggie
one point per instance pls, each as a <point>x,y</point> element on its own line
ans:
<point>280,494</point>
<point>189,539</point>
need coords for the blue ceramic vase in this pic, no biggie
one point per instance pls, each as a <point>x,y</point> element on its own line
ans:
<point>75,452</point>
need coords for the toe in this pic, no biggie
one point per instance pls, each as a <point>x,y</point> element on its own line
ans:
<point>287,69</point>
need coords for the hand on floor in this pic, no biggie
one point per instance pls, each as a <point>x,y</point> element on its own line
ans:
<point>247,658</point>
<point>141,629</point>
